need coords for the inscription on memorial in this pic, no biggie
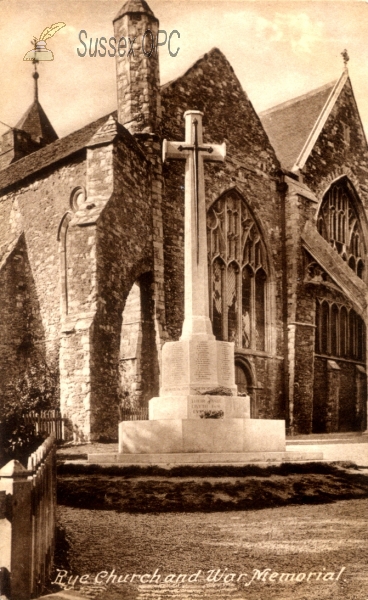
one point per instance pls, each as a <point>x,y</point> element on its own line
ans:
<point>205,407</point>
<point>225,359</point>
<point>202,362</point>
<point>175,367</point>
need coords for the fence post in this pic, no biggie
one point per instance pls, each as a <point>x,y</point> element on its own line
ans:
<point>5,547</point>
<point>13,480</point>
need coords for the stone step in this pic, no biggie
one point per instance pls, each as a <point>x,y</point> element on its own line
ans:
<point>328,438</point>
<point>203,458</point>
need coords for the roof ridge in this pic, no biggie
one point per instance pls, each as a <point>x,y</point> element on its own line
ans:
<point>321,120</point>
<point>300,98</point>
<point>51,153</point>
<point>198,60</point>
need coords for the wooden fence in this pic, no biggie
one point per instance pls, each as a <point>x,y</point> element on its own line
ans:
<point>138,414</point>
<point>48,421</point>
<point>27,523</point>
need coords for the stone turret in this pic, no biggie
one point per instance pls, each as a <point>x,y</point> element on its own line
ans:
<point>137,67</point>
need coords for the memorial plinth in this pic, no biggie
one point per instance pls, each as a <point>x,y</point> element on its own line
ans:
<point>197,365</point>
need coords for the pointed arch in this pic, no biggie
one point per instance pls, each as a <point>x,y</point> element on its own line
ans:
<point>245,379</point>
<point>340,331</point>
<point>138,357</point>
<point>342,222</point>
<point>62,237</point>
<point>239,273</point>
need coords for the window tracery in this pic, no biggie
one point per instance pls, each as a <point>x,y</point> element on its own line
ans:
<point>238,274</point>
<point>338,223</point>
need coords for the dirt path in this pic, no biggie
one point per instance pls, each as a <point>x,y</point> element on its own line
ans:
<point>295,540</point>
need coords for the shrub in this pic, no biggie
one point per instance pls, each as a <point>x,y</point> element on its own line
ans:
<point>35,390</point>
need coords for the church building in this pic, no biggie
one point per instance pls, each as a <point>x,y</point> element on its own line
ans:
<point>92,245</point>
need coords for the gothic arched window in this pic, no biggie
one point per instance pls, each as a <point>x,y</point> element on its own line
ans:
<point>325,327</point>
<point>335,351</point>
<point>339,224</point>
<point>63,239</point>
<point>340,331</point>
<point>238,274</point>
<point>343,332</point>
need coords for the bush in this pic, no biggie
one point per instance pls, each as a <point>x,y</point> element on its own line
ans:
<point>36,390</point>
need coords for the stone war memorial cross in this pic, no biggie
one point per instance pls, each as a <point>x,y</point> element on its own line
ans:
<point>198,418</point>
<point>194,152</point>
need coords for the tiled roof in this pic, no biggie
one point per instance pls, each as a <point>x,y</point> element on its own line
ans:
<point>36,124</point>
<point>51,153</point>
<point>289,124</point>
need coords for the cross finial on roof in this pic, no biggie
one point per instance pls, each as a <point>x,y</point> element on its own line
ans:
<point>345,57</point>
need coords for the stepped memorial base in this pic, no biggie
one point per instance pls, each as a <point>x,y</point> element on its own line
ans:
<point>177,436</point>
<point>203,458</point>
<point>198,419</point>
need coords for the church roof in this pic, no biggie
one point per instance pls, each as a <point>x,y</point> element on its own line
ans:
<point>59,149</point>
<point>289,124</point>
<point>294,126</point>
<point>37,125</point>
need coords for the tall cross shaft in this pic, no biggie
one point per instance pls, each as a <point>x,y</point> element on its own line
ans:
<point>194,152</point>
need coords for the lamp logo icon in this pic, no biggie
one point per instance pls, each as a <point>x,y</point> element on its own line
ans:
<point>40,52</point>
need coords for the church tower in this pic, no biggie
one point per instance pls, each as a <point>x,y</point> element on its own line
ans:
<point>137,67</point>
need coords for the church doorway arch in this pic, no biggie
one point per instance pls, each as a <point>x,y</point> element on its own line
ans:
<point>138,360</point>
<point>244,379</point>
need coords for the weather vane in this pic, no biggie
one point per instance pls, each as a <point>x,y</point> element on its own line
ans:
<point>40,52</point>
<point>345,57</point>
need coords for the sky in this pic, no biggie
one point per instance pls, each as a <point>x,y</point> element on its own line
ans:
<point>279,50</point>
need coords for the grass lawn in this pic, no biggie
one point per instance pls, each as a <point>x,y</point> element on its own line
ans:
<point>238,520</point>
<point>293,539</point>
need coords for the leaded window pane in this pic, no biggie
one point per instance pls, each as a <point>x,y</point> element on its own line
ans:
<point>246,307</point>
<point>232,309</point>
<point>344,332</point>
<point>217,299</point>
<point>260,309</point>
<point>340,331</point>
<point>325,324</point>
<point>334,330</point>
<point>238,308</point>
<point>338,223</point>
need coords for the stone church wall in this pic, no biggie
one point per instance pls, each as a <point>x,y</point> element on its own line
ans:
<point>36,208</point>
<point>21,332</point>
<point>123,254</point>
